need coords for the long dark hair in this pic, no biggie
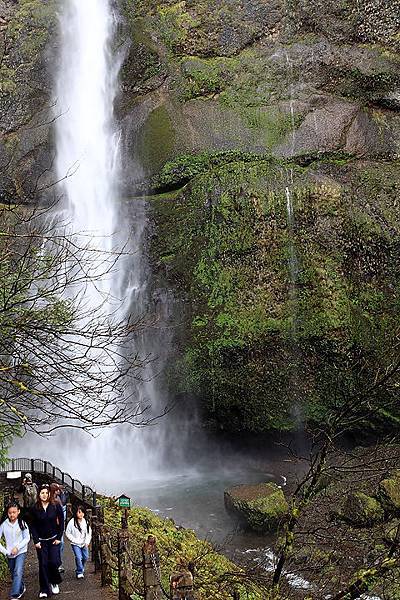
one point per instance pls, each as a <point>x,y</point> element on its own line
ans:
<point>13,504</point>
<point>75,516</point>
<point>44,486</point>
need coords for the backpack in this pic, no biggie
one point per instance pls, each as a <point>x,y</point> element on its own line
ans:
<point>30,495</point>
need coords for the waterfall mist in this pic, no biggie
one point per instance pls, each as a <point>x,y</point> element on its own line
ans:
<point>112,234</point>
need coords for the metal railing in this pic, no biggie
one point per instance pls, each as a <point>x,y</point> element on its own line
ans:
<point>44,467</point>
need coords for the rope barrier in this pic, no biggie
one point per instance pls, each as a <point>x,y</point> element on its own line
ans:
<point>124,561</point>
<point>157,571</point>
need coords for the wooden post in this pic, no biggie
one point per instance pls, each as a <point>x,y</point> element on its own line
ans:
<point>123,565</point>
<point>94,540</point>
<point>181,585</point>
<point>124,520</point>
<point>151,570</point>
<point>100,513</point>
<point>106,569</point>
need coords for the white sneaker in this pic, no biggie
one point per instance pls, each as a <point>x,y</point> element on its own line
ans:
<point>80,576</point>
<point>55,589</point>
<point>42,595</point>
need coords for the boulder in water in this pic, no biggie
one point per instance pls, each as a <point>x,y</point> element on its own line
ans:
<point>261,507</point>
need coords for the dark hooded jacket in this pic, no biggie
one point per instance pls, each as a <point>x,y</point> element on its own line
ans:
<point>47,524</point>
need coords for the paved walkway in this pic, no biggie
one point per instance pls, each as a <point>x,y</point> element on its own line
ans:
<point>71,588</point>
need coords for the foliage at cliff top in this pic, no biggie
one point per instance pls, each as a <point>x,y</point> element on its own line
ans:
<point>285,307</point>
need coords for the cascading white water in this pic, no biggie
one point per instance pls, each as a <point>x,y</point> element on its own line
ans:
<point>86,140</point>
<point>112,285</point>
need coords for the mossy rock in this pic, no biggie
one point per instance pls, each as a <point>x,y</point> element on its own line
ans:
<point>389,493</point>
<point>390,531</point>
<point>362,510</point>
<point>260,507</point>
<point>156,139</point>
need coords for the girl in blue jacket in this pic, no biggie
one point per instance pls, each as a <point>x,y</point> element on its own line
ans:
<point>16,535</point>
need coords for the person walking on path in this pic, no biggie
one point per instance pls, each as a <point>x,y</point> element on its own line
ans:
<point>29,491</point>
<point>47,530</point>
<point>16,535</point>
<point>57,494</point>
<point>79,534</point>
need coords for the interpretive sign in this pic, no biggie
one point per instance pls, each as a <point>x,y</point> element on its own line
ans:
<point>124,501</point>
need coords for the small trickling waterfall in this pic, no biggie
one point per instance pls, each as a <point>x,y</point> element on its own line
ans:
<point>293,262</point>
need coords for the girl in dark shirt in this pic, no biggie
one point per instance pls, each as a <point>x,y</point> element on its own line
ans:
<point>47,528</point>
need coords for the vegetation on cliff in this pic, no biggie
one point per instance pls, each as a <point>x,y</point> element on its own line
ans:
<point>227,244</point>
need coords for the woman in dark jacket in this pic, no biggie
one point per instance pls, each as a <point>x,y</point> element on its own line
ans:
<point>47,528</point>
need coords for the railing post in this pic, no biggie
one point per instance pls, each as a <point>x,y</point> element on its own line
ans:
<point>100,513</point>
<point>151,570</point>
<point>73,485</point>
<point>94,499</point>
<point>181,583</point>
<point>106,569</point>
<point>83,493</point>
<point>62,477</point>
<point>123,565</point>
<point>12,464</point>
<point>54,473</point>
<point>32,465</point>
<point>93,525</point>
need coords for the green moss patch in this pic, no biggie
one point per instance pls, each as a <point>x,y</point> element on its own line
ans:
<point>156,140</point>
<point>262,335</point>
<point>362,510</point>
<point>262,507</point>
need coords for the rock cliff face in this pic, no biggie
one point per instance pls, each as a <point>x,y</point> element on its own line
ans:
<point>269,134</point>
<point>286,78</point>
<point>289,270</point>
<point>27,37</point>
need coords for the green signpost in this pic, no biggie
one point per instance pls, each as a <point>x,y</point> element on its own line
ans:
<point>124,501</point>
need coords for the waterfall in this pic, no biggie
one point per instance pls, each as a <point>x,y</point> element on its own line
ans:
<point>293,261</point>
<point>90,212</point>
<point>86,139</point>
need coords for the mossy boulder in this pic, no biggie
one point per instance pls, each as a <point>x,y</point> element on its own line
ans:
<point>390,531</point>
<point>362,510</point>
<point>260,507</point>
<point>389,493</point>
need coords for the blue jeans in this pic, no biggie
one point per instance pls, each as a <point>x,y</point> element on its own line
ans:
<point>16,566</point>
<point>81,556</point>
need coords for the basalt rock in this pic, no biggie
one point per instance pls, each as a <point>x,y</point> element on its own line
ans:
<point>389,493</point>
<point>260,507</point>
<point>362,510</point>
